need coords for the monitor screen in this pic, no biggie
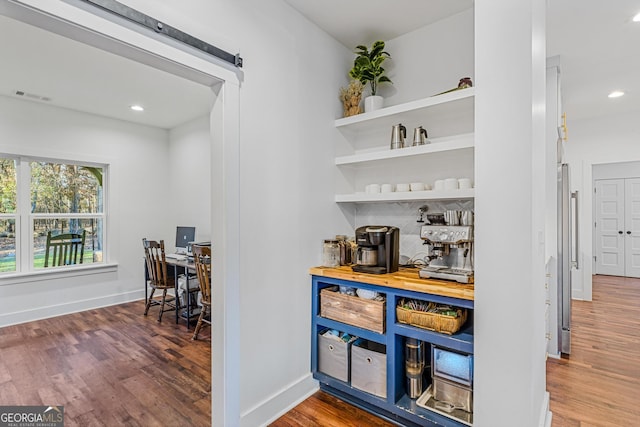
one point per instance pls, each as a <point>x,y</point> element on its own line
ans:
<point>184,235</point>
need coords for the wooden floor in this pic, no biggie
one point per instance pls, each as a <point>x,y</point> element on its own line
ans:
<point>322,409</point>
<point>115,367</point>
<point>109,367</point>
<point>598,386</point>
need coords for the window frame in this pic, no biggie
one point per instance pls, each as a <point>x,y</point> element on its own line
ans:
<point>24,221</point>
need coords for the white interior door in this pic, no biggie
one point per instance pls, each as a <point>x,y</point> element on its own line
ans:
<point>610,196</point>
<point>632,227</point>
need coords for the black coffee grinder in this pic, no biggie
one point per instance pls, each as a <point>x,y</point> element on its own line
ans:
<point>378,249</point>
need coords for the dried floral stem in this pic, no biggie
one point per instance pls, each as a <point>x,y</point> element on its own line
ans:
<point>350,97</point>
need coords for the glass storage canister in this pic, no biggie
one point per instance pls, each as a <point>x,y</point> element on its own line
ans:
<point>330,253</point>
<point>345,250</point>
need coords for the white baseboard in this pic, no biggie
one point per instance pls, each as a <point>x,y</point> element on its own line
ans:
<point>280,402</point>
<point>545,413</point>
<point>45,312</point>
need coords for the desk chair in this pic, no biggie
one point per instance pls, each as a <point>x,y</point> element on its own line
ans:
<point>202,259</point>
<point>158,277</point>
<point>64,249</point>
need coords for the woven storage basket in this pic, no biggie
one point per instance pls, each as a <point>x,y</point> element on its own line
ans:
<point>432,321</point>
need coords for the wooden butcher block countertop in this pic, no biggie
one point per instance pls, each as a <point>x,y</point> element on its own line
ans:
<point>405,278</point>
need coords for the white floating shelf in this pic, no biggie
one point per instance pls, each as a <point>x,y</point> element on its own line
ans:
<point>405,196</point>
<point>448,101</point>
<point>437,145</point>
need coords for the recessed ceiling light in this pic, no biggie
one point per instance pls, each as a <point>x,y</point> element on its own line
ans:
<point>616,94</point>
<point>636,18</point>
<point>137,107</point>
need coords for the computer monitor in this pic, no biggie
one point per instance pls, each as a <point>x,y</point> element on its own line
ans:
<point>184,235</point>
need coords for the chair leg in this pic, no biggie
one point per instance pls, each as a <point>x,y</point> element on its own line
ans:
<point>203,312</point>
<point>178,303</point>
<point>164,298</point>
<point>146,308</point>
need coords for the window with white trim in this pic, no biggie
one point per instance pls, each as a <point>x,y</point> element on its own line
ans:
<point>39,197</point>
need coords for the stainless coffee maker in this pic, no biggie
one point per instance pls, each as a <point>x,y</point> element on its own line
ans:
<point>420,136</point>
<point>378,250</point>
<point>398,134</point>
<point>451,248</point>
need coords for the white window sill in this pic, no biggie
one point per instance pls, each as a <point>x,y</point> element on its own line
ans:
<point>57,273</point>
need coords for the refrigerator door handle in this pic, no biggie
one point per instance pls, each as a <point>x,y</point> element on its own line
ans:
<point>576,235</point>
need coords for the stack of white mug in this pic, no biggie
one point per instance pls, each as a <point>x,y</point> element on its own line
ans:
<point>452,184</point>
<point>389,188</point>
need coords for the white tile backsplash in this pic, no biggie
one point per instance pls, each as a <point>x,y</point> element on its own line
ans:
<point>404,215</point>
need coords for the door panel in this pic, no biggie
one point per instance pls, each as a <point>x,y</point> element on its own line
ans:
<point>610,250</point>
<point>610,259</point>
<point>632,227</point>
<point>609,243</point>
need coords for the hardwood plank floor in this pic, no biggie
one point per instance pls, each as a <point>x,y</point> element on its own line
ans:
<point>597,386</point>
<point>115,367</point>
<point>109,367</point>
<point>322,409</point>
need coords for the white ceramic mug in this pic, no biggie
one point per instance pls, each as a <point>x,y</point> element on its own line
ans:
<point>438,185</point>
<point>464,183</point>
<point>417,186</point>
<point>372,188</point>
<point>451,184</point>
<point>403,187</point>
<point>386,188</point>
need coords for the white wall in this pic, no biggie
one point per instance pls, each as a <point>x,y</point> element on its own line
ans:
<point>289,98</point>
<point>509,346</point>
<point>430,60</point>
<point>189,190</point>
<point>593,141</point>
<point>424,62</point>
<point>135,154</point>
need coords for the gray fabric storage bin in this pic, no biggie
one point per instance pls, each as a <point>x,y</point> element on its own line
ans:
<point>369,367</point>
<point>333,357</point>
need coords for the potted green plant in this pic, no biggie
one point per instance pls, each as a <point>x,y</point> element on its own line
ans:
<point>367,68</point>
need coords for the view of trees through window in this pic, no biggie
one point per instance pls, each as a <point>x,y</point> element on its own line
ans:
<point>8,201</point>
<point>62,198</point>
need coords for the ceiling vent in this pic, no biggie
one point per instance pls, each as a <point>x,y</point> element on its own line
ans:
<point>32,96</point>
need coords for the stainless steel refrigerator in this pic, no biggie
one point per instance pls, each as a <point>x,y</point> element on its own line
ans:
<point>567,255</point>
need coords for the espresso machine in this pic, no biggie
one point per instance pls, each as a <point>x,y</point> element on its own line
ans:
<point>378,250</point>
<point>451,252</point>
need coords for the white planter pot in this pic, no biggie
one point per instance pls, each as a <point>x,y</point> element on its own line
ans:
<point>373,103</point>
